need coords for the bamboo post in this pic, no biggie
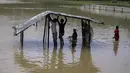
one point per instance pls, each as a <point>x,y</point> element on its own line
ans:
<point>36,25</point>
<point>114,9</point>
<point>82,30</point>
<point>22,38</point>
<point>89,32</point>
<point>44,29</point>
<point>125,17</point>
<point>89,6</point>
<point>48,31</point>
<point>99,7</point>
<point>84,6</point>
<point>122,10</point>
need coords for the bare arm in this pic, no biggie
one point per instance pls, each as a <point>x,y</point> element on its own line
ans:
<point>49,17</point>
<point>65,20</point>
<point>58,19</point>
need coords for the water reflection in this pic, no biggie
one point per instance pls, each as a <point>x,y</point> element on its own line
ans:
<point>73,50</point>
<point>86,61</point>
<point>56,61</point>
<point>115,47</point>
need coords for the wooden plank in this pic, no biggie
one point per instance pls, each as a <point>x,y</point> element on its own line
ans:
<point>21,27</point>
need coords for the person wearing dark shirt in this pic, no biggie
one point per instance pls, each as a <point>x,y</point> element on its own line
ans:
<point>116,35</point>
<point>74,36</point>
<point>61,29</point>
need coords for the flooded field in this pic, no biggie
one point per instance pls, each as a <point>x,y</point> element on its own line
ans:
<point>104,55</point>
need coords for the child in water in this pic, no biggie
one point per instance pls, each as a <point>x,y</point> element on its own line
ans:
<point>74,36</point>
<point>74,39</point>
<point>116,35</point>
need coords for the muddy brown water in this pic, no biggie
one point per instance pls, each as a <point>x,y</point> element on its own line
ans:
<point>104,56</point>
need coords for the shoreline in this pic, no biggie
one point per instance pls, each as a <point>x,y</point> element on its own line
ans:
<point>108,3</point>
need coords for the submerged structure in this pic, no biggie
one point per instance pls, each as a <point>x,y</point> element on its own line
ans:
<point>87,31</point>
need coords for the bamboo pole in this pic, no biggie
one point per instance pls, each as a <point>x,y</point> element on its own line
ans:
<point>99,7</point>
<point>114,9</point>
<point>122,10</point>
<point>89,6</point>
<point>82,29</point>
<point>89,32</point>
<point>22,38</point>
<point>33,20</point>
<point>83,32</point>
<point>48,31</point>
<point>44,30</point>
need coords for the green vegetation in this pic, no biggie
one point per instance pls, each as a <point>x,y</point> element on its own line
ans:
<point>109,3</point>
<point>124,4</point>
<point>63,3</point>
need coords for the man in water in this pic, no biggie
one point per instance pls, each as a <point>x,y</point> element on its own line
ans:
<point>61,29</point>
<point>116,35</point>
<point>53,28</point>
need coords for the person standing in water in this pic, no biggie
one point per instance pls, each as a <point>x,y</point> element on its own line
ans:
<point>116,33</point>
<point>74,36</point>
<point>61,29</point>
<point>53,28</point>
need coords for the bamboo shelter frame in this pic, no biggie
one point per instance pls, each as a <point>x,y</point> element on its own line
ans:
<point>19,29</point>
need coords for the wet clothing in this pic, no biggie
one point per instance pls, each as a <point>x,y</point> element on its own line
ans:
<point>61,34</point>
<point>54,32</point>
<point>61,29</point>
<point>116,36</point>
<point>74,39</point>
<point>74,36</point>
<point>53,27</point>
<point>54,38</point>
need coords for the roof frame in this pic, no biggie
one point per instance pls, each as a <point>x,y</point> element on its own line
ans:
<point>22,27</point>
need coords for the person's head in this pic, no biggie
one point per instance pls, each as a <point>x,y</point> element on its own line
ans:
<point>62,20</point>
<point>55,20</point>
<point>74,30</point>
<point>117,27</point>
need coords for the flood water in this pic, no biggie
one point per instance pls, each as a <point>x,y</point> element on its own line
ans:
<point>104,55</point>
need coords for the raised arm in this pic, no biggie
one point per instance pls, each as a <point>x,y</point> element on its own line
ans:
<point>58,19</point>
<point>49,17</point>
<point>65,20</point>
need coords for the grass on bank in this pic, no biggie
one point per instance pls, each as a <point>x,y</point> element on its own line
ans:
<point>109,3</point>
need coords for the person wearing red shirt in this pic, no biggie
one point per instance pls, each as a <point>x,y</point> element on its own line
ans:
<point>116,35</point>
